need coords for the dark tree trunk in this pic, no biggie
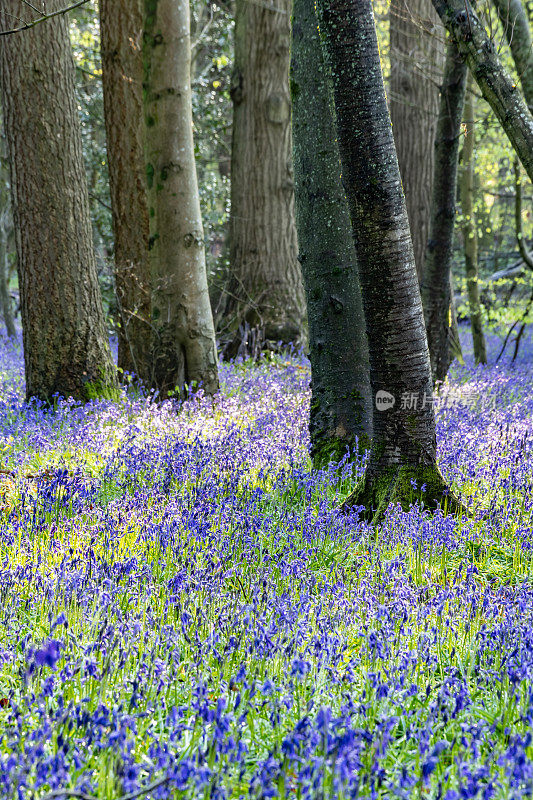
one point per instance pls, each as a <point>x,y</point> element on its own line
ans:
<point>66,349</point>
<point>436,285</point>
<point>121,27</point>
<point>497,87</point>
<point>470,229</point>
<point>341,402</point>
<point>417,61</point>
<point>183,337</point>
<point>518,33</point>
<point>264,290</point>
<point>404,441</point>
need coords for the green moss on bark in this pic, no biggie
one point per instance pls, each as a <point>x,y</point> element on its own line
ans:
<point>405,485</point>
<point>103,388</point>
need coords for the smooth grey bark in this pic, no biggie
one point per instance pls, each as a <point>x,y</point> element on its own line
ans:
<point>5,299</point>
<point>417,61</point>
<point>66,348</point>
<point>264,291</point>
<point>518,34</point>
<point>121,29</point>
<point>497,87</point>
<point>183,338</point>
<point>470,229</point>
<point>341,401</point>
<point>404,440</point>
<point>436,285</point>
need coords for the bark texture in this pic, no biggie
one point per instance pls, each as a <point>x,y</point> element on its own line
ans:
<point>66,349</point>
<point>518,33</point>
<point>341,401</point>
<point>470,229</point>
<point>436,284</point>
<point>417,61</point>
<point>404,441</point>
<point>183,339</point>
<point>264,289</point>
<point>496,85</point>
<point>121,28</point>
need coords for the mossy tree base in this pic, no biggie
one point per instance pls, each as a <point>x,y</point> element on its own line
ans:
<point>104,389</point>
<point>405,485</point>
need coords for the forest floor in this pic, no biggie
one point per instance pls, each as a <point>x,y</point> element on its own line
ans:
<point>182,604</point>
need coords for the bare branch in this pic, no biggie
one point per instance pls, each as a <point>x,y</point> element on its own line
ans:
<point>27,2</point>
<point>43,18</point>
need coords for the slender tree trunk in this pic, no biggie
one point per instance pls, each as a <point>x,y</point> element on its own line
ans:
<point>264,290</point>
<point>404,441</point>
<point>518,33</point>
<point>5,299</point>
<point>497,87</point>
<point>341,402</point>
<point>121,28</point>
<point>455,340</point>
<point>66,349</point>
<point>523,249</point>
<point>436,285</point>
<point>184,350</point>
<point>470,229</point>
<point>417,62</point>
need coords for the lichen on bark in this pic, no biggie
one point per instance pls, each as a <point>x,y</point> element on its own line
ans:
<point>183,349</point>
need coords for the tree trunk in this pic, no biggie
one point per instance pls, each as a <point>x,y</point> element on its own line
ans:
<point>264,289</point>
<point>527,256</point>
<point>497,87</point>
<point>341,402</point>
<point>455,341</point>
<point>470,229</point>
<point>436,286</point>
<point>183,339</point>
<point>518,33</point>
<point>5,299</point>
<point>121,27</point>
<point>417,61</point>
<point>404,441</point>
<point>66,349</point>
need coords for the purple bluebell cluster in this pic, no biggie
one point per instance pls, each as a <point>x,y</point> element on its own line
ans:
<point>186,613</point>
